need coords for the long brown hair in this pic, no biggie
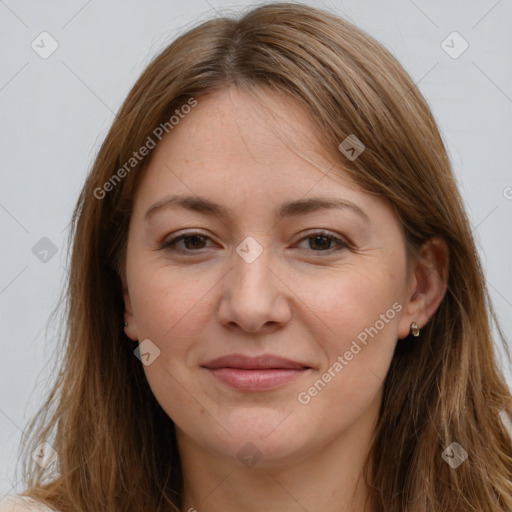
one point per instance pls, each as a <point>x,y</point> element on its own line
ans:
<point>116,446</point>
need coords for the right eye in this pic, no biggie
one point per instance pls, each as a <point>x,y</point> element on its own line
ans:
<point>192,240</point>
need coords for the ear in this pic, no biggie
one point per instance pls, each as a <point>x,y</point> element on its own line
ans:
<point>427,285</point>
<point>130,329</point>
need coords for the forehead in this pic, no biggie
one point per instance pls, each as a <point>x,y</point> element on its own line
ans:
<point>234,140</point>
<point>244,153</point>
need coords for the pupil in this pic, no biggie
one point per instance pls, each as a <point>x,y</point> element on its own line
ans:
<point>197,240</point>
<point>320,237</point>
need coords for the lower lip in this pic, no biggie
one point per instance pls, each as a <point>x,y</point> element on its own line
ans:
<point>256,380</point>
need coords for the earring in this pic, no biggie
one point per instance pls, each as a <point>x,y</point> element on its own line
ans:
<point>126,324</point>
<point>415,330</point>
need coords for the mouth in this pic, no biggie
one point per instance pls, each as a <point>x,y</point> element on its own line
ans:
<point>259,373</point>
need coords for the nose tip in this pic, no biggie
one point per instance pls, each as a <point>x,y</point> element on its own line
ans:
<point>253,298</point>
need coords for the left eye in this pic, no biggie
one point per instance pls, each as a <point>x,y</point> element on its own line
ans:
<point>322,241</point>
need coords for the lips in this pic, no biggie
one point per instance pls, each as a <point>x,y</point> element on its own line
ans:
<point>261,373</point>
<point>263,362</point>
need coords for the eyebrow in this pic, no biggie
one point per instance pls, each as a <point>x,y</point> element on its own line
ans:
<point>291,208</point>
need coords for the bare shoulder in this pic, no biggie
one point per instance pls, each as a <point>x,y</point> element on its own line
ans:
<point>22,504</point>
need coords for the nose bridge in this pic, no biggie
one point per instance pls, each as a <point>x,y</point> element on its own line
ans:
<point>251,295</point>
<point>253,262</point>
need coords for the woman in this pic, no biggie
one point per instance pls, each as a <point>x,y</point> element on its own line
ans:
<point>275,300</point>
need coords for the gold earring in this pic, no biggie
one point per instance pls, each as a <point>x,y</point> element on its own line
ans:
<point>415,330</point>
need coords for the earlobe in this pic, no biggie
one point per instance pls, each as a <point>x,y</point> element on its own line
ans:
<point>428,286</point>
<point>130,326</point>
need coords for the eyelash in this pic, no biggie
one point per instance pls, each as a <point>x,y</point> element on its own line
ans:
<point>171,244</point>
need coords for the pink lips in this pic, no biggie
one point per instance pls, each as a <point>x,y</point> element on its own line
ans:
<point>255,373</point>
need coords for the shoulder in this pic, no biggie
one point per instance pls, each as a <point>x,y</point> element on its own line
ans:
<point>22,504</point>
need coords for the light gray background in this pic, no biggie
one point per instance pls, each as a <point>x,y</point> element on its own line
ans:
<point>56,111</point>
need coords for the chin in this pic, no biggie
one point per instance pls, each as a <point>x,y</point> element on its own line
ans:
<point>264,443</point>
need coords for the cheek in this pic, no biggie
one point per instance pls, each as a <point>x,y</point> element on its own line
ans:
<point>358,322</point>
<point>351,302</point>
<point>167,306</point>
<point>171,308</point>
<point>165,300</point>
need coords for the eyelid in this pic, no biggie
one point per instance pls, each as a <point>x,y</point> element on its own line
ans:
<point>176,237</point>
<point>327,233</point>
<point>342,242</point>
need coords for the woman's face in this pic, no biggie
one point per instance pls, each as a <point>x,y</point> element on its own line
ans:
<point>274,274</point>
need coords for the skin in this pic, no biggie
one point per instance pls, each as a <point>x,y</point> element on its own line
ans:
<point>298,299</point>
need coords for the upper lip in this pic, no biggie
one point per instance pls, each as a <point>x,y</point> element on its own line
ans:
<point>265,361</point>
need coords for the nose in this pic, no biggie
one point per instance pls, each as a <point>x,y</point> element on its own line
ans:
<point>254,296</point>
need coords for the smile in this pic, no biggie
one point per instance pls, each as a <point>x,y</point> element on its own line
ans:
<point>259,373</point>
